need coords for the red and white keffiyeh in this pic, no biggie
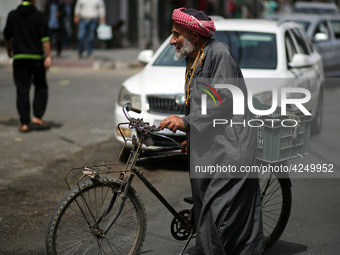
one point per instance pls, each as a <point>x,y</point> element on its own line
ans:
<point>205,28</point>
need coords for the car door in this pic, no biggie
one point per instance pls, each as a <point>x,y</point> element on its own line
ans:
<point>334,70</point>
<point>293,79</point>
<point>323,40</point>
<point>309,75</point>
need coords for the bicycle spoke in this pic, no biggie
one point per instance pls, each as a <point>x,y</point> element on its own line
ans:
<point>113,247</point>
<point>108,209</point>
<point>273,204</point>
<point>267,232</point>
<point>270,193</point>
<point>271,218</point>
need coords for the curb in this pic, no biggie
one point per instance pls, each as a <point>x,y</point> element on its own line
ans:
<point>95,64</point>
<point>104,60</point>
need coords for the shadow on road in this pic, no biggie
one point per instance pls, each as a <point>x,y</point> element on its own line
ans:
<point>280,248</point>
<point>286,248</point>
<point>15,122</point>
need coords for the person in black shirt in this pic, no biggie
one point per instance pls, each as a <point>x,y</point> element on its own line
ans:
<point>27,41</point>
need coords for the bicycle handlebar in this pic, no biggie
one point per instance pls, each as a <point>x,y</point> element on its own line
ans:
<point>143,128</point>
<point>128,107</point>
<point>138,123</point>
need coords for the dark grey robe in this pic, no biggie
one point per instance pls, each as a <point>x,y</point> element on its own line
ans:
<point>227,207</point>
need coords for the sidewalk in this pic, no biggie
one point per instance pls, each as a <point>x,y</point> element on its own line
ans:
<point>102,58</point>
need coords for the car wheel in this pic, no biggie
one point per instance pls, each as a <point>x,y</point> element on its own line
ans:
<point>317,121</point>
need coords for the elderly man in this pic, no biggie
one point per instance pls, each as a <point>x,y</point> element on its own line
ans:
<point>227,206</point>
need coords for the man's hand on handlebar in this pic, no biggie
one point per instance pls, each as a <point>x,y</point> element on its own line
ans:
<point>173,123</point>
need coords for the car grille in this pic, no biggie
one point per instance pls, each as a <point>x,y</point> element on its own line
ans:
<point>165,105</point>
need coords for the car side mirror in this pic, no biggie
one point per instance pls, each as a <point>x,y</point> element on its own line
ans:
<point>145,56</point>
<point>320,37</point>
<point>300,60</point>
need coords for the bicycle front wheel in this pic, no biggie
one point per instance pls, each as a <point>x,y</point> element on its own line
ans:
<point>80,219</point>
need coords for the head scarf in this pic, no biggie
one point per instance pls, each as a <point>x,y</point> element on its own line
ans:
<point>194,20</point>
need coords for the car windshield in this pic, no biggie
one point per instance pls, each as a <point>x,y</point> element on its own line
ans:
<point>252,50</point>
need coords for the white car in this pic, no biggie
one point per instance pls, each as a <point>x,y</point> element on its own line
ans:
<point>264,49</point>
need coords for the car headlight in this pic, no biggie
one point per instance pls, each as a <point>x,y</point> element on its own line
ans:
<point>127,97</point>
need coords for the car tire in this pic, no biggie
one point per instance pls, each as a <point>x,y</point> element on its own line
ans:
<point>317,121</point>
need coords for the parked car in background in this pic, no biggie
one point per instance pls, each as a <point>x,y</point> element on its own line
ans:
<point>264,50</point>
<point>324,32</point>
<point>315,7</point>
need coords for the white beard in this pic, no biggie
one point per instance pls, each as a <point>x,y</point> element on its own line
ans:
<point>185,50</point>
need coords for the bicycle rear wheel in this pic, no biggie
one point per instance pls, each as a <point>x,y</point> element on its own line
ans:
<point>276,205</point>
<point>77,224</point>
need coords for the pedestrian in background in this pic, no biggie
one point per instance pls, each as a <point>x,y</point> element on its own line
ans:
<point>56,14</point>
<point>68,19</point>
<point>27,41</point>
<point>87,14</point>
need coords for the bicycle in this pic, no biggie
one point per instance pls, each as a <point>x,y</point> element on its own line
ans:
<point>102,214</point>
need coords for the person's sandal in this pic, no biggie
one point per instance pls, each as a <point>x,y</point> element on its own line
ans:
<point>41,126</point>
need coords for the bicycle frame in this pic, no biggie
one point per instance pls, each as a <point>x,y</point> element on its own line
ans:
<point>135,171</point>
<point>126,177</point>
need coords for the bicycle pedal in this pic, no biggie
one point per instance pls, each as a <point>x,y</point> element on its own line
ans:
<point>188,200</point>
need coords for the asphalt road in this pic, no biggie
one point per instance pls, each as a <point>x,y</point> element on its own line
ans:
<point>81,112</point>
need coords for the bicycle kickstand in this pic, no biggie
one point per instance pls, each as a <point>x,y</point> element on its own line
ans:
<point>187,243</point>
